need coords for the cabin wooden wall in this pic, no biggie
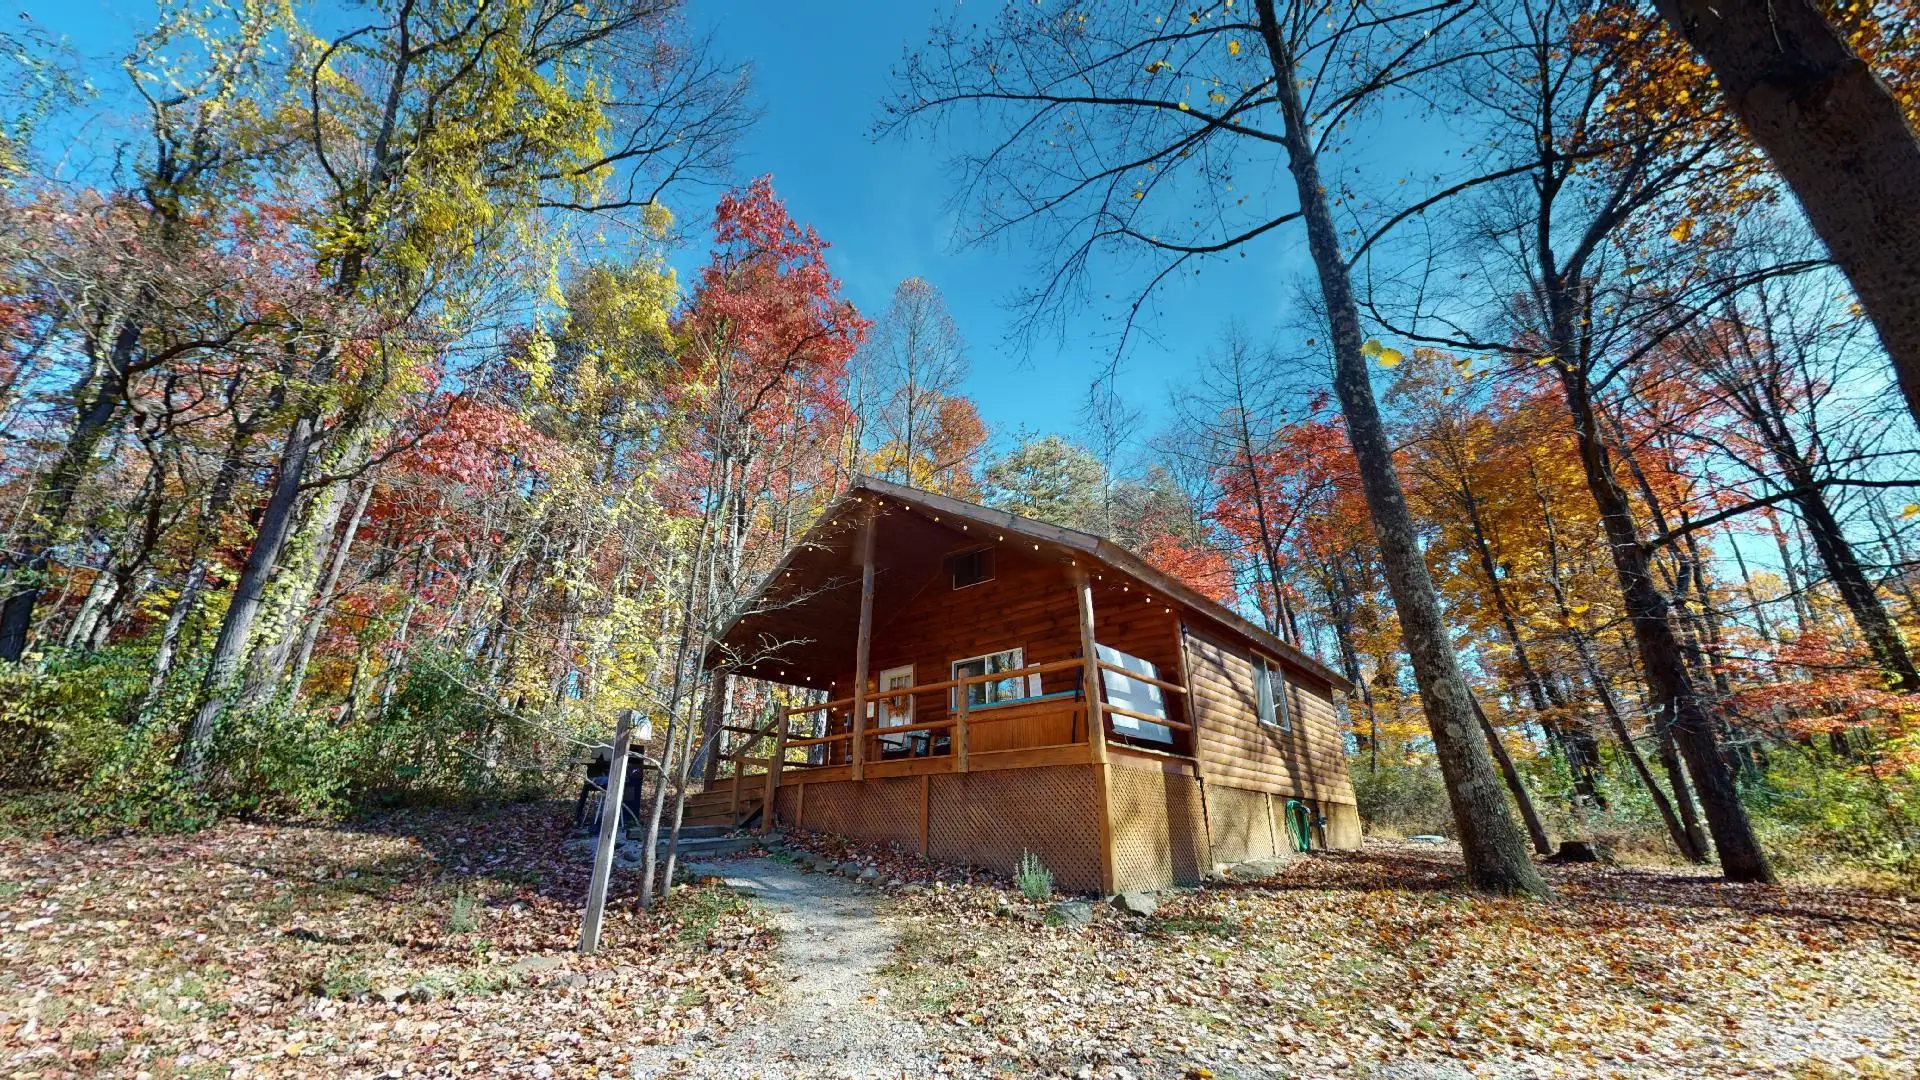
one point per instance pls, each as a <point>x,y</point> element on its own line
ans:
<point>1029,604</point>
<point>1236,751</point>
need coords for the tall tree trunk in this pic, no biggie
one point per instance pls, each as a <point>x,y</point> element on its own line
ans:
<point>1536,831</point>
<point>1341,600</point>
<point>1576,744</point>
<point>294,580</point>
<point>698,565</point>
<point>705,733</point>
<point>1676,772</point>
<point>1681,573</point>
<point>226,481</point>
<point>1686,839</point>
<point>716,729</point>
<point>1677,704</point>
<point>1713,642</point>
<point>126,580</point>
<point>57,489</point>
<point>1686,833</point>
<point>323,600</point>
<point>229,649</point>
<point>1856,590</point>
<point>1495,850</point>
<point>92,605</point>
<point>1796,585</point>
<point>1760,620</point>
<point>1839,138</point>
<point>655,813</point>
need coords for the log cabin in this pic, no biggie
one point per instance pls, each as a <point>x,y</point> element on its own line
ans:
<point>978,685</point>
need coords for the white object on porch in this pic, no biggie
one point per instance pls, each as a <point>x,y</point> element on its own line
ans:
<point>1133,695</point>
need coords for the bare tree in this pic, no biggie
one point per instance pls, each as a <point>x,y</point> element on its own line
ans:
<point>914,359</point>
<point>1778,356</point>
<point>1583,307</point>
<point>1124,128</point>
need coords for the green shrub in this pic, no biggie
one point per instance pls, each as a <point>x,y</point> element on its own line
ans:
<point>61,719</point>
<point>74,726</point>
<point>430,746</point>
<point>1033,879</point>
<point>1815,812</point>
<point>1407,799</point>
<point>282,760</point>
<point>463,913</point>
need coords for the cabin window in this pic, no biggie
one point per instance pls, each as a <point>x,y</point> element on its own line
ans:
<point>971,567</point>
<point>995,691</point>
<point>1270,688</point>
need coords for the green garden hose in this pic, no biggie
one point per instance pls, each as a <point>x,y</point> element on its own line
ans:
<point>1299,825</point>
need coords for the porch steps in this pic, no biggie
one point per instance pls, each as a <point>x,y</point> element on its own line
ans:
<point>693,847</point>
<point>716,807</point>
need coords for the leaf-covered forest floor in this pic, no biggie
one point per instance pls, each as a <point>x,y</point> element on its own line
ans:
<point>441,944</point>
<point>1378,964</point>
<point>424,943</point>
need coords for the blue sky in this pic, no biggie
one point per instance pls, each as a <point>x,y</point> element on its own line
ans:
<point>820,74</point>
<point>886,208</point>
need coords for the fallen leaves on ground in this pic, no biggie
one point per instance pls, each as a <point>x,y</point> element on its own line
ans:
<point>441,944</point>
<point>1348,963</point>
<point>438,943</point>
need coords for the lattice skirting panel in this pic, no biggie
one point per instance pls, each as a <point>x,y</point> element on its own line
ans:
<point>883,809</point>
<point>1165,829</point>
<point>989,819</point>
<point>785,802</point>
<point>1239,824</point>
<point>1159,829</point>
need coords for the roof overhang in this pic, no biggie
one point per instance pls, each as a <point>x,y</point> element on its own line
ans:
<point>821,570</point>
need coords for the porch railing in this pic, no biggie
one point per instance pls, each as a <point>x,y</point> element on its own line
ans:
<point>959,724</point>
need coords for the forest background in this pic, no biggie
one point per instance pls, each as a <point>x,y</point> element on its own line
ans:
<point>392,395</point>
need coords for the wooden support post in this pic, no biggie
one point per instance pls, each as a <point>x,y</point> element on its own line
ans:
<point>1091,684</point>
<point>960,711</point>
<point>1103,816</point>
<point>610,811</point>
<point>926,805</point>
<point>1091,681</point>
<point>1189,709</point>
<point>800,806</point>
<point>862,646</point>
<point>733,802</point>
<point>773,774</point>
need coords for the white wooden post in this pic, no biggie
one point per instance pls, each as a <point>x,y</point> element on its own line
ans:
<point>610,811</point>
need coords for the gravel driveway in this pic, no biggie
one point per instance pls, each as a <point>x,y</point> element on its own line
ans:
<point>832,1019</point>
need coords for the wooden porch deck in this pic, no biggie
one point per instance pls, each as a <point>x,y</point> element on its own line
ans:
<point>1029,734</point>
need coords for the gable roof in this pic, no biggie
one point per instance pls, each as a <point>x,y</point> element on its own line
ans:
<point>827,528</point>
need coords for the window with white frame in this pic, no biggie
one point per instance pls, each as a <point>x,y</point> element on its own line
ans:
<point>994,691</point>
<point>1270,690</point>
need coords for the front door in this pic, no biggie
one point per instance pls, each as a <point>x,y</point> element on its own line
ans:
<point>894,711</point>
